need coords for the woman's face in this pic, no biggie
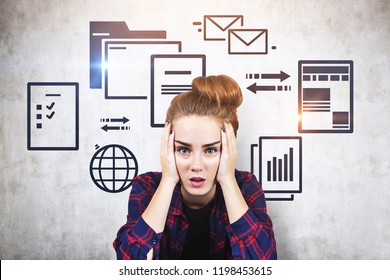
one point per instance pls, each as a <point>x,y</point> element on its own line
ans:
<point>197,154</point>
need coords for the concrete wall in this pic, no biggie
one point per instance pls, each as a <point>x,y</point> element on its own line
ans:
<point>50,208</point>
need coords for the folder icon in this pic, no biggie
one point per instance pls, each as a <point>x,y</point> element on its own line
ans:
<point>216,25</point>
<point>248,41</point>
<point>102,30</point>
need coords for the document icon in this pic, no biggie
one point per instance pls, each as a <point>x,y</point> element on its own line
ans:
<point>248,41</point>
<point>172,75</point>
<point>53,116</point>
<point>216,25</point>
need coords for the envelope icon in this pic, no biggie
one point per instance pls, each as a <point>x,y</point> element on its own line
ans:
<point>215,26</point>
<point>248,41</point>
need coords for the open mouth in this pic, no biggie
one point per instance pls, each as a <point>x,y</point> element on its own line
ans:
<point>197,182</point>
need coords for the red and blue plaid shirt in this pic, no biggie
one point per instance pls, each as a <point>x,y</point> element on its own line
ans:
<point>250,237</point>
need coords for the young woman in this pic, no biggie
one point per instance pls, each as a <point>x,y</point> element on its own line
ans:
<point>199,206</point>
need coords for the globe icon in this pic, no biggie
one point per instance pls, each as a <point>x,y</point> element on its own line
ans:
<point>113,168</point>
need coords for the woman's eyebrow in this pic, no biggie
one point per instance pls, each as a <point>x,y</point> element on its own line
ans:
<point>211,144</point>
<point>183,143</point>
<point>189,145</point>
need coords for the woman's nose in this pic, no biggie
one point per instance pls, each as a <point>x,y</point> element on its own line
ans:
<point>197,162</point>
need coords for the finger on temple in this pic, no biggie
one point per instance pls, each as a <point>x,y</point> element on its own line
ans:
<point>223,139</point>
<point>165,136</point>
<point>171,140</point>
<point>228,131</point>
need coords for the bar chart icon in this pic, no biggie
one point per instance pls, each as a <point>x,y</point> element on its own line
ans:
<point>280,166</point>
<point>281,169</point>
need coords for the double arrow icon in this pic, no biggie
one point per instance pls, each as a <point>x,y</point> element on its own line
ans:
<point>118,127</point>
<point>282,76</point>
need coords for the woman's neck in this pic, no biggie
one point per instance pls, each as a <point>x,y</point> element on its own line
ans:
<point>198,201</point>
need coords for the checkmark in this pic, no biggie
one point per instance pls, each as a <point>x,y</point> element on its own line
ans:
<point>50,116</point>
<point>50,106</point>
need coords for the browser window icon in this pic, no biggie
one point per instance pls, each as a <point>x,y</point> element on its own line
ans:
<point>325,96</point>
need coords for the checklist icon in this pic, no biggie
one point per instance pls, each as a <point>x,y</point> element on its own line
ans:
<point>52,116</point>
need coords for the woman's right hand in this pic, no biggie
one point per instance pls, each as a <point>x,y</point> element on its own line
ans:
<point>156,212</point>
<point>167,156</point>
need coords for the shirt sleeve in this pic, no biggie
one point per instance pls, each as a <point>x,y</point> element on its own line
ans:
<point>252,236</point>
<point>136,238</point>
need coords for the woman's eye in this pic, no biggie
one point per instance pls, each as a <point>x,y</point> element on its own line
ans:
<point>211,151</point>
<point>183,151</point>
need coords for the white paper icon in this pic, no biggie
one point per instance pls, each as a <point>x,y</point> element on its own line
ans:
<point>171,75</point>
<point>53,116</point>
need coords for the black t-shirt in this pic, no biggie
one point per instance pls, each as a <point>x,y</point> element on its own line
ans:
<point>197,244</point>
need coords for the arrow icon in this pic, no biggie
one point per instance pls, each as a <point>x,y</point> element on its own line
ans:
<point>282,76</point>
<point>107,128</point>
<point>122,120</point>
<point>254,88</point>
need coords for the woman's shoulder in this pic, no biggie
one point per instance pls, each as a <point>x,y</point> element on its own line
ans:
<point>249,185</point>
<point>151,178</point>
<point>245,177</point>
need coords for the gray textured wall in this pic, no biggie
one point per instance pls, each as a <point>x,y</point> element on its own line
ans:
<point>51,209</point>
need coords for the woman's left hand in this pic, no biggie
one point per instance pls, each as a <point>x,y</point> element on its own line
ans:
<point>228,159</point>
<point>236,205</point>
